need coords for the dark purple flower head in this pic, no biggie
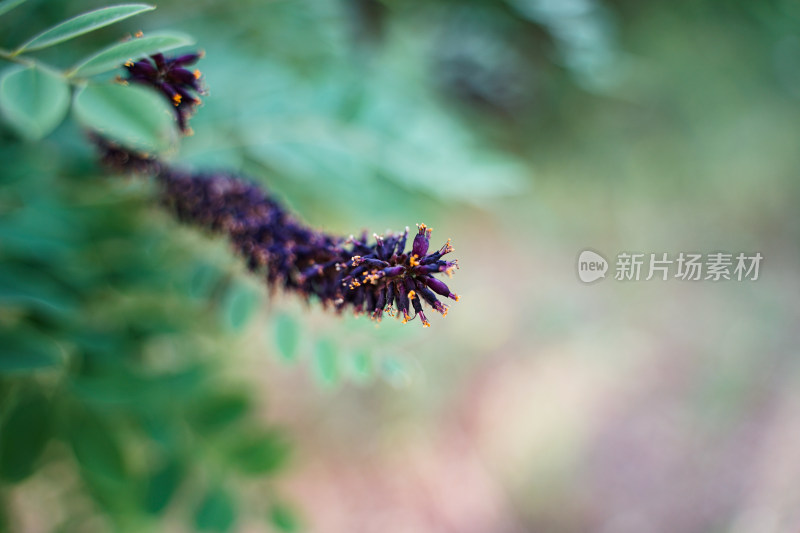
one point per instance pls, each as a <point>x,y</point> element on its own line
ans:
<point>169,75</point>
<point>392,277</point>
<point>368,277</point>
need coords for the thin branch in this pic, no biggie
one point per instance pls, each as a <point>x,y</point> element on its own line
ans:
<point>11,56</point>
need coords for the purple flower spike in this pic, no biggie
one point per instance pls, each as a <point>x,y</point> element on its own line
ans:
<point>352,273</point>
<point>168,75</point>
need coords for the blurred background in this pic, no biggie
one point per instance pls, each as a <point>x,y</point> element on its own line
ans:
<point>150,383</point>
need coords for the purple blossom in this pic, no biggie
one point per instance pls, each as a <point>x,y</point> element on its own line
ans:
<point>367,277</point>
<point>170,77</point>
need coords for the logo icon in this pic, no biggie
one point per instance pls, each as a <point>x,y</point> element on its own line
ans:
<point>591,266</point>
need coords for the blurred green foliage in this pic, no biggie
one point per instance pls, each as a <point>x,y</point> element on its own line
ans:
<point>111,323</point>
<point>108,351</point>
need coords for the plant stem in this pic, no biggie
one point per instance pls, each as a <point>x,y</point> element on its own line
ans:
<point>10,56</point>
<point>28,62</point>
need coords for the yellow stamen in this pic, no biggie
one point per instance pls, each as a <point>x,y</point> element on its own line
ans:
<point>372,277</point>
<point>414,260</point>
<point>177,99</point>
<point>197,74</point>
<point>412,295</point>
<point>449,270</point>
<point>139,34</point>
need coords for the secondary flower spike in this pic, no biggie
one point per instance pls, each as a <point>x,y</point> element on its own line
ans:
<point>170,77</point>
<point>367,276</point>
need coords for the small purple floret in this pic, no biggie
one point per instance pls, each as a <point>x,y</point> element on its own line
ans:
<point>168,75</point>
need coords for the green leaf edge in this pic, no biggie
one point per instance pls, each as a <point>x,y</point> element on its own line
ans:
<point>8,5</point>
<point>32,44</point>
<point>81,119</point>
<point>84,67</point>
<point>21,68</point>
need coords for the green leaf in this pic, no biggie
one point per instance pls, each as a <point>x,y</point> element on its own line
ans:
<point>283,518</point>
<point>81,24</point>
<point>25,432</point>
<point>117,54</point>
<point>161,486</point>
<point>258,454</point>
<point>216,512</point>
<point>238,306</point>
<point>33,100</point>
<point>136,117</point>
<point>218,412</point>
<point>361,366</point>
<point>109,391</point>
<point>287,336</point>
<point>8,5</point>
<point>33,290</point>
<point>325,363</point>
<point>96,448</point>
<point>203,280</point>
<point>26,351</point>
